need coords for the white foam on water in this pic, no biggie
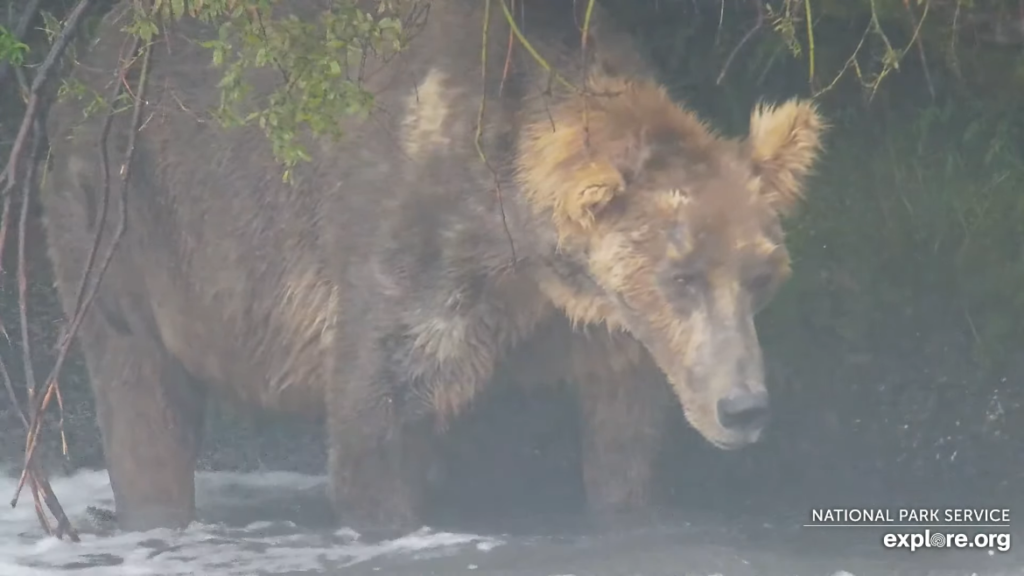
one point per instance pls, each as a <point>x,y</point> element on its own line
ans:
<point>261,548</point>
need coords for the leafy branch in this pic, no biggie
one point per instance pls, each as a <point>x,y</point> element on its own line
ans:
<point>319,88</point>
<point>320,61</point>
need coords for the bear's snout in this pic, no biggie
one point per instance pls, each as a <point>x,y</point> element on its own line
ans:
<point>744,412</point>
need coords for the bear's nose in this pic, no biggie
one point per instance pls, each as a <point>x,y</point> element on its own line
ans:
<point>746,412</point>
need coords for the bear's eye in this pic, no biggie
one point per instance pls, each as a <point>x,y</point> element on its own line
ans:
<point>680,194</point>
<point>760,282</point>
<point>761,288</point>
<point>687,282</point>
<point>686,278</point>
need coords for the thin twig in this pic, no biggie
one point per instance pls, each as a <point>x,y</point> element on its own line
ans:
<point>26,346</point>
<point>508,57</point>
<point>125,171</point>
<point>9,385</point>
<point>810,42</point>
<point>746,38</point>
<point>480,123</point>
<point>529,48</point>
<point>40,487</point>
<point>105,167</point>
<point>586,72</point>
<point>953,60</point>
<point>42,492</point>
<point>9,175</point>
<point>43,489</point>
<point>4,220</point>
<point>920,44</point>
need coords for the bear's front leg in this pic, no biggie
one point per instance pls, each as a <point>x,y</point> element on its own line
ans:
<point>379,446</point>
<point>624,406</point>
<point>401,374</point>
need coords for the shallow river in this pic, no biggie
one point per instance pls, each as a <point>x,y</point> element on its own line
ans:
<point>279,524</point>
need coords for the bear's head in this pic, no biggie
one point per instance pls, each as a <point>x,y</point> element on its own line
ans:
<point>678,230</point>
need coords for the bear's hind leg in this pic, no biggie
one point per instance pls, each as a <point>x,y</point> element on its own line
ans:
<point>150,414</point>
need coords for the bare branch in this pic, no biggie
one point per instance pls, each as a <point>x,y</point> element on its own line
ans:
<point>480,124</point>
<point>746,38</point>
<point>32,474</point>
<point>9,175</point>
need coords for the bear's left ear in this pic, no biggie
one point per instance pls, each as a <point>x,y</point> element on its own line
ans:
<point>783,145</point>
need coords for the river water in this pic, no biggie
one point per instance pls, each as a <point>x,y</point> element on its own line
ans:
<point>279,523</point>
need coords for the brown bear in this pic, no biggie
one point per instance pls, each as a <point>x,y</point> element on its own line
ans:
<point>379,287</point>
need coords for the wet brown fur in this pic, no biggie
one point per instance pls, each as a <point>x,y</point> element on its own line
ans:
<point>378,288</point>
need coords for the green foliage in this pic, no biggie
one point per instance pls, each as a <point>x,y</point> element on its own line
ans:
<point>319,62</point>
<point>911,207</point>
<point>92,101</point>
<point>11,50</point>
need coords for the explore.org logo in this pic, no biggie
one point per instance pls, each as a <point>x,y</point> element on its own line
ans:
<point>998,542</point>
<point>915,529</point>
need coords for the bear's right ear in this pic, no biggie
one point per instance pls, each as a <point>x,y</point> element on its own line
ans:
<point>595,185</point>
<point>611,167</point>
<point>579,169</point>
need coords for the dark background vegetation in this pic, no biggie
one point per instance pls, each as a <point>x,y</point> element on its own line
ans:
<point>894,354</point>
